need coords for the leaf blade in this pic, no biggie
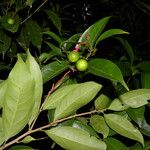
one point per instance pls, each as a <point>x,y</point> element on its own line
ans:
<point>124,127</point>
<point>72,138</point>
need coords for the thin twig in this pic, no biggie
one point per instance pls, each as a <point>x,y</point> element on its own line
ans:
<point>33,12</point>
<point>54,123</point>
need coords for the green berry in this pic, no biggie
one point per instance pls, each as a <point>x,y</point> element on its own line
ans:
<point>82,65</point>
<point>73,56</point>
<point>10,21</point>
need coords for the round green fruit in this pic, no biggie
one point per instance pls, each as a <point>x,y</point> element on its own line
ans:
<point>82,65</point>
<point>10,21</point>
<point>73,56</point>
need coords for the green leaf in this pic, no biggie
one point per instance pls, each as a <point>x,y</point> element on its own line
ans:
<point>124,127</point>
<point>125,68</point>
<point>145,7</point>
<point>107,69</point>
<point>38,88</point>
<point>144,66</point>
<point>1,132</point>
<point>110,33</point>
<point>80,125</point>
<point>18,102</point>
<point>93,32</point>
<point>54,50</point>
<point>31,32</point>
<point>138,146</point>
<point>99,124</point>
<point>21,147</point>
<point>53,69</point>
<point>5,42</point>
<point>28,139</point>
<point>145,80</point>
<point>117,105</point>
<point>127,47</point>
<point>102,102</point>
<point>135,98</point>
<point>54,36</point>
<point>78,96</point>
<point>68,99</point>
<point>145,128</point>
<point>137,115</point>
<point>74,139</point>
<point>55,19</point>
<point>114,144</point>
<point>3,87</point>
<point>29,2</point>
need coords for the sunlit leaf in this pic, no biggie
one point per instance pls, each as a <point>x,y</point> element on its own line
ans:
<point>19,101</point>
<point>135,98</point>
<point>102,102</point>
<point>74,139</point>
<point>117,105</point>
<point>38,89</point>
<point>124,127</point>
<point>3,87</point>
<point>79,96</point>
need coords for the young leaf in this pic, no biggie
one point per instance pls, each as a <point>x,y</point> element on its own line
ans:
<point>102,102</point>
<point>28,139</point>
<point>53,69</point>
<point>76,98</point>
<point>99,124</point>
<point>110,33</point>
<point>124,127</point>
<point>19,101</point>
<point>74,139</point>
<point>107,69</point>
<point>114,144</point>
<point>135,98</point>
<point>38,89</point>
<point>93,32</point>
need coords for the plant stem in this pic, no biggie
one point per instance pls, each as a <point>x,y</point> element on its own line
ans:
<point>54,123</point>
<point>33,12</point>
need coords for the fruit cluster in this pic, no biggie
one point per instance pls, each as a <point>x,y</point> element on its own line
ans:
<point>81,64</point>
